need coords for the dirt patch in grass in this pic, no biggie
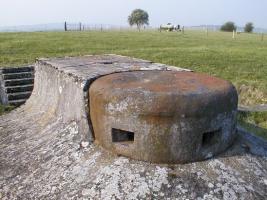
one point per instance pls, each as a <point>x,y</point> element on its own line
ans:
<point>251,95</point>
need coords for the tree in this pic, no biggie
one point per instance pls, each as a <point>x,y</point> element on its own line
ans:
<point>228,26</point>
<point>249,27</point>
<point>138,17</point>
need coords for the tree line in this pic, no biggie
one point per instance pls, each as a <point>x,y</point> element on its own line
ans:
<point>230,27</point>
<point>140,18</point>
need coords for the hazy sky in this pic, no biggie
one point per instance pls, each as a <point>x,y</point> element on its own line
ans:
<point>185,12</point>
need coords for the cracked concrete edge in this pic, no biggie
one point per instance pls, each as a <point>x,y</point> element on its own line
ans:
<point>3,95</point>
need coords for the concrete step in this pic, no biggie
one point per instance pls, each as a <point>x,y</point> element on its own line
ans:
<point>19,88</point>
<point>12,76</point>
<point>17,69</point>
<point>18,95</point>
<point>16,82</point>
<point>17,102</point>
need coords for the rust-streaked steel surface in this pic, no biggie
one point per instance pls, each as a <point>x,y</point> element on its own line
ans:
<point>175,117</point>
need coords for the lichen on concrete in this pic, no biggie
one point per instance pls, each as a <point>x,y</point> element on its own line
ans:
<point>46,150</point>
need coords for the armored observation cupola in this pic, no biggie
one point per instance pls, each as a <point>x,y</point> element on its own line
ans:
<point>163,116</point>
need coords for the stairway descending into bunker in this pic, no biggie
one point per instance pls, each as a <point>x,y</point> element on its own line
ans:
<point>17,84</point>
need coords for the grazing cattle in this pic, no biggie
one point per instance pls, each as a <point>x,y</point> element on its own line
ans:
<point>169,27</point>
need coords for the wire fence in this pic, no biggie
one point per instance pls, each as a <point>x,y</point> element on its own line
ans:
<point>68,26</point>
<point>100,27</point>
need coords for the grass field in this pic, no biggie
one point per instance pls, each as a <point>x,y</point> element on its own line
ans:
<point>242,60</point>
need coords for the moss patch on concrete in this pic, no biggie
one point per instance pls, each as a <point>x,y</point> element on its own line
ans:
<point>5,109</point>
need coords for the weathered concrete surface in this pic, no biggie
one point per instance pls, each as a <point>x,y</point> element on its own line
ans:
<point>163,116</point>
<point>3,97</point>
<point>45,154</point>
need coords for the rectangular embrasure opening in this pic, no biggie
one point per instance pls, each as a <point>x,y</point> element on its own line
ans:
<point>122,136</point>
<point>211,138</point>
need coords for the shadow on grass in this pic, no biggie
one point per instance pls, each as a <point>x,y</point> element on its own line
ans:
<point>251,121</point>
<point>259,131</point>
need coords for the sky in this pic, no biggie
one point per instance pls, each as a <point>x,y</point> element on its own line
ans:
<point>115,12</point>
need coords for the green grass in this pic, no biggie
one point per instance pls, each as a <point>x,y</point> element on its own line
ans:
<point>242,61</point>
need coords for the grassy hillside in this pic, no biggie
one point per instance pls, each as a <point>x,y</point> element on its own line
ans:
<point>242,60</point>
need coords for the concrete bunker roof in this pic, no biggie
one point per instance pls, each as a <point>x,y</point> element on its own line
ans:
<point>46,154</point>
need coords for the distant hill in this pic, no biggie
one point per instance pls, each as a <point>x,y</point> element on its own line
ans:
<point>60,27</point>
<point>33,28</point>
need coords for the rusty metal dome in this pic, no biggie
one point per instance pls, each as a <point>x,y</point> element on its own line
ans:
<point>163,116</point>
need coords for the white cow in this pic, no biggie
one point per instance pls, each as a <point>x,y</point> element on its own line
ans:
<point>169,27</point>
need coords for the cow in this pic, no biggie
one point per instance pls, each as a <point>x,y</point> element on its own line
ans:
<point>169,27</point>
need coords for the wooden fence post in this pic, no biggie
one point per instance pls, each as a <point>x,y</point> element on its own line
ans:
<point>233,34</point>
<point>65,26</point>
